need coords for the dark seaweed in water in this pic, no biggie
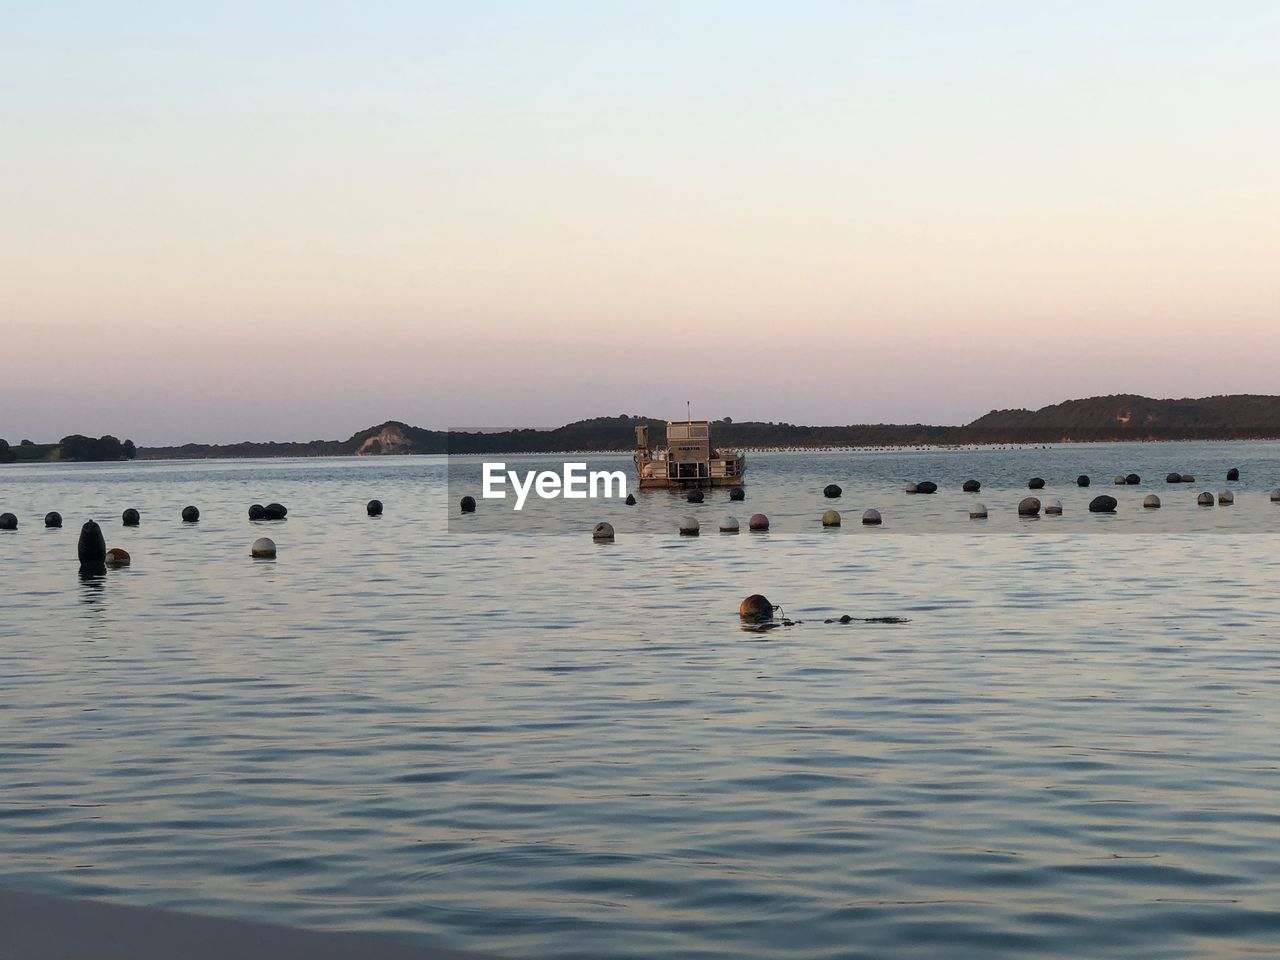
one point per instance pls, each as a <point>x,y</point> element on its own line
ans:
<point>774,624</point>
<point>848,619</point>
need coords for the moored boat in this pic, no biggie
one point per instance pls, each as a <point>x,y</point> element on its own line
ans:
<point>688,460</point>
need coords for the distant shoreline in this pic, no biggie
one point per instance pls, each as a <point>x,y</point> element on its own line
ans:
<point>1125,418</point>
<point>883,448</point>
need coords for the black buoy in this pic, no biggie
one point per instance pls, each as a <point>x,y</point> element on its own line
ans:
<point>131,517</point>
<point>274,511</point>
<point>1035,483</point>
<point>257,512</point>
<point>53,519</point>
<point>971,486</point>
<point>8,521</point>
<point>92,548</point>
<point>468,504</point>
<point>374,508</point>
<point>631,499</point>
<point>694,496</point>
<point>1173,478</point>
<point>926,486</point>
<point>737,493</point>
<point>1103,504</point>
<point>831,491</point>
<point>1233,473</point>
<point>1082,480</point>
<point>1133,479</point>
<point>190,514</point>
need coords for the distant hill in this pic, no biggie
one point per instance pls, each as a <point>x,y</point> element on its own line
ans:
<point>76,448</point>
<point>1120,417</point>
<point>1130,417</point>
<point>600,433</point>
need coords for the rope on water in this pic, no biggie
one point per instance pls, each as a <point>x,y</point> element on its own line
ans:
<point>783,620</point>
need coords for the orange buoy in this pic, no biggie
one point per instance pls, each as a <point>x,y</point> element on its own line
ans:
<point>756,608</point>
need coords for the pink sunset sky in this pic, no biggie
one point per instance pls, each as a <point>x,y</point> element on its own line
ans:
<point>229,223</point>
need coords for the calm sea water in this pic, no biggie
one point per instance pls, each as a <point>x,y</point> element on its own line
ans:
<point>492,733</point>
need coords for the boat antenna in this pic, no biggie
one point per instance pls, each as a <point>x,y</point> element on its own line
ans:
<point>688,411</point>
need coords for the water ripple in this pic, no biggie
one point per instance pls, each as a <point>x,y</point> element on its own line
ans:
<point>538,748</point>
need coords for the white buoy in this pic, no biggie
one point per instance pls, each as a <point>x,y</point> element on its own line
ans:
<point>603,531</point>
<point>1151,501</point>
<point>728,524</point>
<point>1053,507</point>
<point>1121,479</point>
<point>1205,499</point>
<point>831,518</point>
<point>978,511</point>
<point>871,517</point>
<point>1275,495</point>
<point>689,527</point>
<point>1226,497</point>
<point>264,548</point>
<point>910,488</point>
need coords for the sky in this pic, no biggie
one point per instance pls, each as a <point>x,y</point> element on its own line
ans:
<point>257,221</point>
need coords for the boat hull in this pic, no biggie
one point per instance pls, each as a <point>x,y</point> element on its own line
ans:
<point>659,483</point>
